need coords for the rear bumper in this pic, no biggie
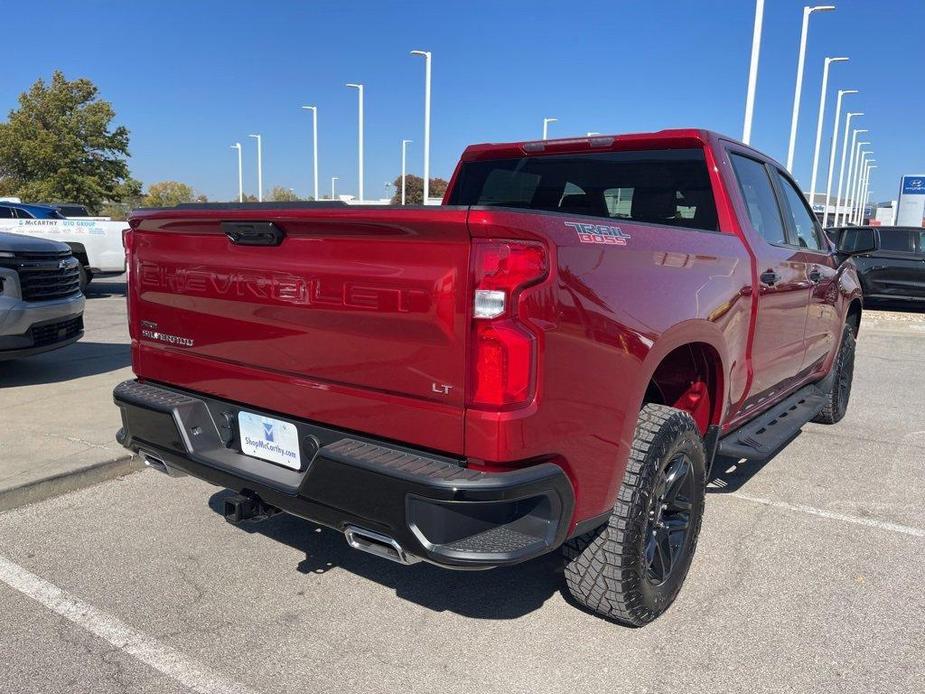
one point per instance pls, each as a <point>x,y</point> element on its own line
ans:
<point>434,507</point>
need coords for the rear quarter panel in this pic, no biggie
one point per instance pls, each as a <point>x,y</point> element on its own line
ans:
<point>606,318</point>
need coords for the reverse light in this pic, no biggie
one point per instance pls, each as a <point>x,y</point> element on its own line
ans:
<point>488,303</point>
<point>503,347</point>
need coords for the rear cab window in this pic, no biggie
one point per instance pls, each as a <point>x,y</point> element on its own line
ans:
<point>670,187</point>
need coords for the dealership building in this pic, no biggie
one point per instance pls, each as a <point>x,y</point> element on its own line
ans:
<point>910,211</point>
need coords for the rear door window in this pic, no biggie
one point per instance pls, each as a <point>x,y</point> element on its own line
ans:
<point>656,186</point>
<point>896,240</point>
<point>6,213</point>
<point>763,211</point>
<point>808,234</point>
<point>852,239</point>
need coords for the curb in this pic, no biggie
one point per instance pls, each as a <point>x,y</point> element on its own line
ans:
<point>39,490</point>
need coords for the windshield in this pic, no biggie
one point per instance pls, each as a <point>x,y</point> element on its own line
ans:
<point>655,186</point>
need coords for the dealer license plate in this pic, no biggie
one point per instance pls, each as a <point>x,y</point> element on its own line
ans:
<point>269,439</point>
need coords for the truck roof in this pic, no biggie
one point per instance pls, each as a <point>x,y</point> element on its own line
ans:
<point>674,137</point>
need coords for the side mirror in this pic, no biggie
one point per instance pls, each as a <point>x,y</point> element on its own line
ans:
<point>855,241</point>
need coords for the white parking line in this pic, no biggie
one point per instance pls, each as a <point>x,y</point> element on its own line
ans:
<point>162,658</point>
<point>857,520</point>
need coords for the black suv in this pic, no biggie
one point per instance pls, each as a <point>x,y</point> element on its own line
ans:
<point>893,272</point>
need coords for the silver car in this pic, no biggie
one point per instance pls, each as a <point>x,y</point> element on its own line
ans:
<point>41,306</point>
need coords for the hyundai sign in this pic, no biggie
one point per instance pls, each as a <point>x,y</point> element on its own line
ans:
<point>911,208</point>
<point>913,185</point>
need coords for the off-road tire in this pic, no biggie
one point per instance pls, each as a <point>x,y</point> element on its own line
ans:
<point>836,403</point>
<point>607,569</point>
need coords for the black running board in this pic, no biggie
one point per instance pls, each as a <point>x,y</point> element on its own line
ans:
<point>765,435</point>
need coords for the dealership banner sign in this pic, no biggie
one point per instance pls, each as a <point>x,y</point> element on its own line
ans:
<point>911,208</point>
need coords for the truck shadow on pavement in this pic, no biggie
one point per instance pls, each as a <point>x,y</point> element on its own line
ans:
<point>103,289</point>
<point>503,593</point>
<point>74,361</point>
<point>731,474</point>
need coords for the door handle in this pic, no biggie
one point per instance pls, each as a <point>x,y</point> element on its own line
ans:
<point>815,276</point>
<point>253,233</point>
<point>770,278</point>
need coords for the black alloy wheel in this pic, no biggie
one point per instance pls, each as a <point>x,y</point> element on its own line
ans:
<point>669,520</point>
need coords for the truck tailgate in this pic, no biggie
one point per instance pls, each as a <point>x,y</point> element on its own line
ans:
<point>356,319</point>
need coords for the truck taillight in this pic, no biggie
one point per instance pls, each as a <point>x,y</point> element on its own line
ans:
<point>503,348</point>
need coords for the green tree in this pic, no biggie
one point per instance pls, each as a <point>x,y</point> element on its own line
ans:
<point>129,196</point>
<point>414,187</point>
<point>169,193</point>
<point>60,145</point>
<point>282,194</point>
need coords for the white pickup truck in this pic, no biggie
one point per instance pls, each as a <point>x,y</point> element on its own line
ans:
<point>96,243</point>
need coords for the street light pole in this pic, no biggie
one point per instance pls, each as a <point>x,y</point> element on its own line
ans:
<point>359,88</point>
<point>404,156</point>
<point>862,165</point>
<point>546,122</point>
<point>819,121</point>
<point>333,178</point>
<point>753,72</point>
<point>855,179</point>
<point>849,182</point>
<point>314,110</point>
<point>427,60</point>
<point>865,198</point>
<point>807,11</point>
<point>834,149</point>
<point>844,152</point>
<point>259,167</point>
<point>859,214</point>
<point>237,146</point>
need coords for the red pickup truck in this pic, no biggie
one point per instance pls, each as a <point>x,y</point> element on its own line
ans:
<point>552,358</point>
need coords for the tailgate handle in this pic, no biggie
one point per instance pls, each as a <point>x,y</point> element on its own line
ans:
<point>253,233</point>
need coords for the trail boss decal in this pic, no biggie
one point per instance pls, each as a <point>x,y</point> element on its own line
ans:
<point>599,233</point>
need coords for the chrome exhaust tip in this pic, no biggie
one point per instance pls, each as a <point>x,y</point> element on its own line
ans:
<point>376,543</point>
<point>156,463</point>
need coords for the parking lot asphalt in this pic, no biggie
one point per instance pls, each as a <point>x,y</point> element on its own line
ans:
<point>808,576</point>
<point>57,407</point>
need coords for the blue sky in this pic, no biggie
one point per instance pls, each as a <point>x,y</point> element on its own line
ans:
<point>190,78</point>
